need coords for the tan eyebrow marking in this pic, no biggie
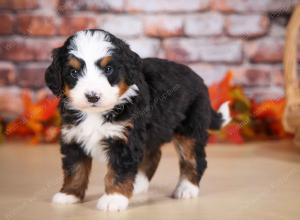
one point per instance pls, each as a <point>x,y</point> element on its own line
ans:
<point>105,60</point>
<point>75,63</point>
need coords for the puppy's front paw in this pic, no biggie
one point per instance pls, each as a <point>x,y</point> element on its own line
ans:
<point>186,190</point>
<point>63,198</point>
<point>112,202</point>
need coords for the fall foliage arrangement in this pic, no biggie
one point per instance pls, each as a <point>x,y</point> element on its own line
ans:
<point>40,120</point>
<point>251,120</point>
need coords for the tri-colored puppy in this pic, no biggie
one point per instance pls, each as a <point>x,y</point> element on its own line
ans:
<point>114,103</point>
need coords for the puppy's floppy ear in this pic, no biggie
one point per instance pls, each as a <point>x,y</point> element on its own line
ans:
<point>53,75</point>
<point>130,58</point>
<point>133,58</point>
<point>133,63</point>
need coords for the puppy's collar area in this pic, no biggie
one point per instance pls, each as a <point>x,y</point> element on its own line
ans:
<point>111,115</point>
<point>129,95</point>
<point>126,99</point>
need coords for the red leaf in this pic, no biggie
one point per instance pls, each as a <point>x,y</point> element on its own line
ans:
<point>233,133</point>
<point>219,92</point>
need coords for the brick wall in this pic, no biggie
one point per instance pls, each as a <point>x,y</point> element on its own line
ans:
<point>209,35</point>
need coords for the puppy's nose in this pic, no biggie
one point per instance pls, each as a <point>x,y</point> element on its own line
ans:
<point>92,97</point>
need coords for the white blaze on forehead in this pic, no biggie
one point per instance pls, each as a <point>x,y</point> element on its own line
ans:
<point>90,46</point>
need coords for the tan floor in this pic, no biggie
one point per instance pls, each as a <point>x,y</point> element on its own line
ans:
<point>255,181</point>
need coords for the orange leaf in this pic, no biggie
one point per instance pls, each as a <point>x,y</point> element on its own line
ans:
<point>233,133</point>
<point>49,108</point>
<point>17,128</point>
<point>272,108</point>
<point>219,92</point>
<point>270,113</point>
<point>34,119</point>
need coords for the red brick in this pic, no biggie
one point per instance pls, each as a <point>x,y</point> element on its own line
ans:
<point>20,49</point>
<point>7,73</point>
<point>19,4</point>
<point>253,5</point>
<point>265,51</point>
<point>195,50</point>
<point>31,75</point>
<point>6,24</point>
<point>278,75</point>
<point>49,4</point>
<point>71,24</point>
<point>123,25</point>
<point>247,25</point>
<point>249,75</point>
<point>166,5</point>
<point>163,26</point>
<point>211,73</point>
<point>145,47</point>
<point>8,108</point>
<point>260,94</point>
<point>103,5</point>
<point>206,24</point>
<point>277,30</point>
<point>36,25</point>
<point>70,5</point>
<point>4,4</point>
<point>257,75</point>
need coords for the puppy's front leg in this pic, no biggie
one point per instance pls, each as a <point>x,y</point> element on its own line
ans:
<point>76,167</point>
<point>118,190</point>
<point>122,168</point>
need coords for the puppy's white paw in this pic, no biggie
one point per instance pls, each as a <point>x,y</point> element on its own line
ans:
<point>141,183</point>
<point>185,190</point>
<point>63,198</point>
<point>112,202</point>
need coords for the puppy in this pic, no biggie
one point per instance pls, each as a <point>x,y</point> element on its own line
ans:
<point>114,103</point>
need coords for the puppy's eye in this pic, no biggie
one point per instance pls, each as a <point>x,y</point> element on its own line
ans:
<point>74,73</point>
<point>108,70</point>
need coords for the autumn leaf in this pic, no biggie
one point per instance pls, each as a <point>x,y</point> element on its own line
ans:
<point>220,92</point>
<point>233,133</point>
<point>35,119</point>
<point>269,115</point>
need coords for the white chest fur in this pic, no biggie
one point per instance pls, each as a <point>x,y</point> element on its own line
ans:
<point>90,132</point>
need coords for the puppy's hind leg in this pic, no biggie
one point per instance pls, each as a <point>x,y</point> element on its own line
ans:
<point>192,166</point>
<point>190,139</point>
<point>146,170</point>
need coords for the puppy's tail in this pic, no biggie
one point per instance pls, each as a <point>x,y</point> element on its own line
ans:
<point>221,118</point>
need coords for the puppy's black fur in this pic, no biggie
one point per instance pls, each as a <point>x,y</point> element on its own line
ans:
<point>173,101</point>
